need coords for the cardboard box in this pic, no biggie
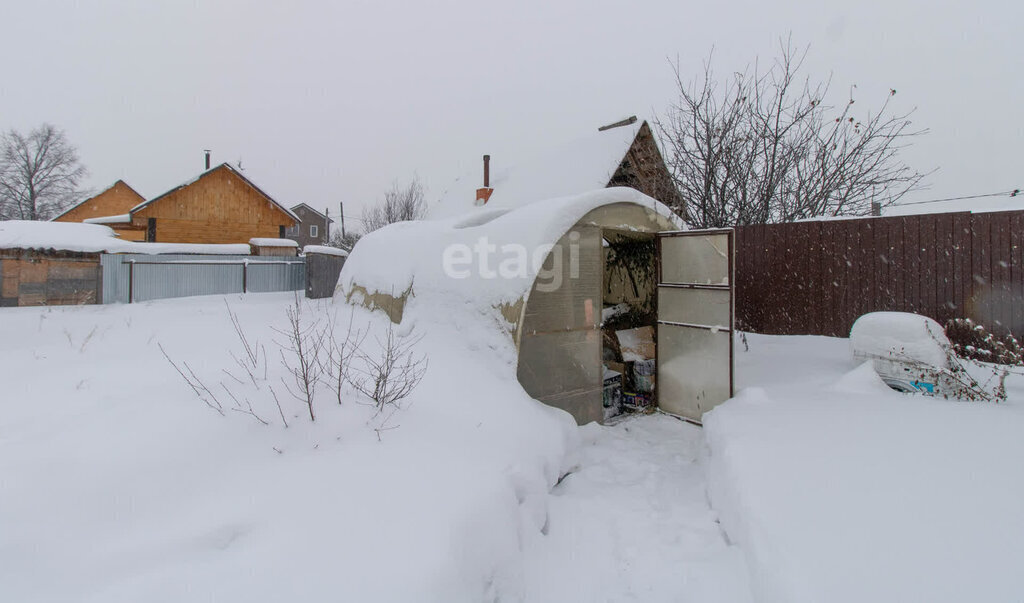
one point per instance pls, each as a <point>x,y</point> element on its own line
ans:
<point>637,344</point>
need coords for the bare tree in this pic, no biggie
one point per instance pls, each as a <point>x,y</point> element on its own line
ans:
<point>39,174</point>
<point>401,203</point>
<point>763,146</point>
<point>346,242</point>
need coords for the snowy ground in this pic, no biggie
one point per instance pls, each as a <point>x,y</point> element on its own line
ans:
<point>117,484</point>
<point>840,489</point>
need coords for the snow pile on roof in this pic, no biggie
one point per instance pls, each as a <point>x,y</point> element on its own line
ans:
<point>94,238</point>
<point>583,164</point>
<point>412,255</point>
<point>261,242</point>
<point>324,250</point>
<point>899,336</point>
<point>118,219</point>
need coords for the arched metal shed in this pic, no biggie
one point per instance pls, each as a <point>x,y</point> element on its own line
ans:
<point>540,273</point>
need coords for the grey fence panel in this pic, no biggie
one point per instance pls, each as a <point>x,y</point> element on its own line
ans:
<point>283,275</point>
<point>181,275</point>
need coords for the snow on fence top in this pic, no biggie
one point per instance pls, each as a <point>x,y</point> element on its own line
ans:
<point>414,257</point>
<point>324,250</point>
<point>584,164</point>
<point>258,242</point>
<point>93,238</point>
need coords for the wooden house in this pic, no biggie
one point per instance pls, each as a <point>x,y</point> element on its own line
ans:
<point>119,199</point>
<point>220,206</point>
<point>313,229</point>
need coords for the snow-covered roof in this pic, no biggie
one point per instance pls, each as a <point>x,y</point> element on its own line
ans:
<point>261,242</point>
<point>324,250</point>
<point>93,238</point>
<point>410,256</point>
<point>226,166</point>
<point>119,219</point>
<point>583,164</point>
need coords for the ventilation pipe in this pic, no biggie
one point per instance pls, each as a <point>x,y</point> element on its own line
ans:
<point>207,151</point>
<point>484,194</point>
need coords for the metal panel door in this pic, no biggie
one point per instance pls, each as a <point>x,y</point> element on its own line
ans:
<point>695,321</point>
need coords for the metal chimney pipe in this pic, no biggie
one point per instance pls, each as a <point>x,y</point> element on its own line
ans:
<point>487,171</point>
<point>207,151</point>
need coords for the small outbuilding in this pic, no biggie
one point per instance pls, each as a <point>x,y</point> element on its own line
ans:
<point>561,277</point>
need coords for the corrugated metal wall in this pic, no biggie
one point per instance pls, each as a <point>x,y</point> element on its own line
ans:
<point>180,275</point>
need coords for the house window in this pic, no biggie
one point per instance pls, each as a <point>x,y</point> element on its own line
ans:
<point>313,230</point>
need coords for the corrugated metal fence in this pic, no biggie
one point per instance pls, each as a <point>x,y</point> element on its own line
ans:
<point>140,277</point>
<point>816,278</point>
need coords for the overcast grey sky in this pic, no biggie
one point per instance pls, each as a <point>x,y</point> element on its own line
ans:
<point>326,102</point>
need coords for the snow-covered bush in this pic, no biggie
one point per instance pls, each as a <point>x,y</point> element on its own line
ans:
<point>973,341</point>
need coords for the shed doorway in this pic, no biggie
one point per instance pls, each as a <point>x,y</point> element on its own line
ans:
<point>666,321</point>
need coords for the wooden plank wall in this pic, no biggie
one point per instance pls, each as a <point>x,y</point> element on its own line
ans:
<point>37,279</point>
<point>816,278</point>
<point>219,207</point>
<point>116,200</point>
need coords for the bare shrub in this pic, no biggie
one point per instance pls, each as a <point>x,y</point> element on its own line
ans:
<point>391,375</point>
<point>340,353</point>
<point>304,344</point>
<point>202,392</point>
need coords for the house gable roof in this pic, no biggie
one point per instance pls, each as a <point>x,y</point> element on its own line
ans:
<point>308,208</point>
<point>99,194</point>
<point>223,166</point>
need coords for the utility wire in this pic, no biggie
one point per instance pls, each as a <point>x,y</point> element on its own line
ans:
<point>1012,193</point>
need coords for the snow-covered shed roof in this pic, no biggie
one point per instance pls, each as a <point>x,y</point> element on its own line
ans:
<point>93,238</point>
<point>583,164</point>
<point>408,258</point>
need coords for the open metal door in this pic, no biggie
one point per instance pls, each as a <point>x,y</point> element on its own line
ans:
<point>695,321</point>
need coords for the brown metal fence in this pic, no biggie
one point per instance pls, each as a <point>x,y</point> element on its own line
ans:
<point>816,278</point>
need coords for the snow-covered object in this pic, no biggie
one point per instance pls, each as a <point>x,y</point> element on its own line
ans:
<point>583,164</point>
<point>408,258</point>
<point>261,242</point>
<point>118,219</point>
<point>908,351</point>
<point>899,336</point>
<point>324,250</point>
<point>94,238</point>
